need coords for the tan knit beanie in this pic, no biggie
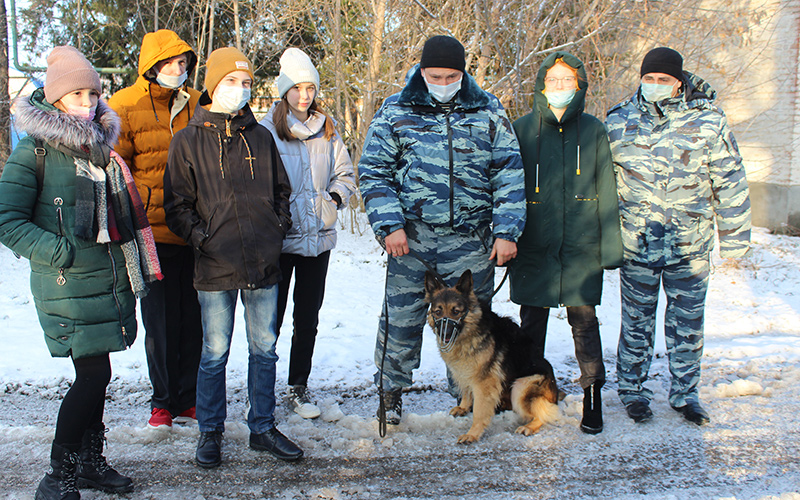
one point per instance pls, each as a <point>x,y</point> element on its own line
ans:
<point>224,61</point>
<point>296,67</point>
<point>68,70</point>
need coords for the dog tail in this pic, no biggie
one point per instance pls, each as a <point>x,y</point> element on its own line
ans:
<point>535,398</point>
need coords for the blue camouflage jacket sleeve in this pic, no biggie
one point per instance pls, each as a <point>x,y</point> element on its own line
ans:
<point>377,181</point>
<point>731,194</point>
<point>507,178</point>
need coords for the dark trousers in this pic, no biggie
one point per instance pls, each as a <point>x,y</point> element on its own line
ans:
<point>585,334</point>
<point>84,403</point>
<point>173,330</point>
<point>309,291</point>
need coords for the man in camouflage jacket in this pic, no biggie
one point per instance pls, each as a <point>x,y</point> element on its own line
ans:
<point>678,171</point>
<point>441,176</point>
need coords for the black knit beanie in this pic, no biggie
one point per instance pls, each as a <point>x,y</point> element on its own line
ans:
<point>443,52</point>
<point>663,60</point>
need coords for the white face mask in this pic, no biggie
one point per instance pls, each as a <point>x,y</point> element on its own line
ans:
<point>82,112</point>
<point>560,99</point>
<point>169,81</point>
<point>654,92</point>
<point>230,99</point>
<point>443,93</point>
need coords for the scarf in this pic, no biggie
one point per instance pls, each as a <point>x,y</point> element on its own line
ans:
<point>108,209</point>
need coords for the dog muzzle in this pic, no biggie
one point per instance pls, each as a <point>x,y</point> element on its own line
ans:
<point>446,330</point>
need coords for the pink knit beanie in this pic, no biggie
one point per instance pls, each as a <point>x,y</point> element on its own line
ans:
<point>68,70</point>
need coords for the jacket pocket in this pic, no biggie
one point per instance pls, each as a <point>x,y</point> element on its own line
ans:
<point>692,236</point>
<point>59,332</point>
<point>326,208</point>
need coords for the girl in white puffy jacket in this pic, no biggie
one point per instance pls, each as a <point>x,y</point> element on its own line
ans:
<point>322,178</point>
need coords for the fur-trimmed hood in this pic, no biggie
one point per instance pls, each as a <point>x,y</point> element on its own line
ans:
<point>38,118</point>
<point>415,93</point>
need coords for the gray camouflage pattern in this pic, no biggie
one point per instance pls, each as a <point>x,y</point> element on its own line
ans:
<point>678,171</point>
<point>461,170</point>
<point>685,285</point>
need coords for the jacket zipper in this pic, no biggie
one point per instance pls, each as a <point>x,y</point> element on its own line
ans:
<point>61,280</point>
<point>450,159</point>
<point>114,294</point>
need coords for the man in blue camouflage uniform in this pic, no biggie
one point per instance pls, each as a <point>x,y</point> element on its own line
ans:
<point>441,176</point>
<point>678,171</point>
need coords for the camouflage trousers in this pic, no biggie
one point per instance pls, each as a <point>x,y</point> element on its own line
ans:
<point>685,285</point>
<point>450,253</point>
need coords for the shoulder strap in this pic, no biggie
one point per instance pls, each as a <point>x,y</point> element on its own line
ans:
<point>40,153</point>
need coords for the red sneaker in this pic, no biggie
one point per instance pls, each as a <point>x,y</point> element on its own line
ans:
<point>159,417</point>
<point>186,416</point>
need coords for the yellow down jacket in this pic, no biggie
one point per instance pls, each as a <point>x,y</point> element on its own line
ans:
<point>151,114</point>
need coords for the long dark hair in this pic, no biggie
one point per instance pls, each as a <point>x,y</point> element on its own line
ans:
<point>281,112</point>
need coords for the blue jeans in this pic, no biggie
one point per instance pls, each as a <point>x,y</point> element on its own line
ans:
<point>218,308</point>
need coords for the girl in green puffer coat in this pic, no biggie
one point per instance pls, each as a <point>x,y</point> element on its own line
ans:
<point>68,203</point>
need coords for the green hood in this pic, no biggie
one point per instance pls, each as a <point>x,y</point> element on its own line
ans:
<point>576,106</point>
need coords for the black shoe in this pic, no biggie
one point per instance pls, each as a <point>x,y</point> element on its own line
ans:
<point>59,483</point>
<point>592,422</point>
<point>639,411</point>
<point>209,449</point>
<point>693,412</point>
<point>276,443</point>
<point>393,404</point>
<point>94,471</point>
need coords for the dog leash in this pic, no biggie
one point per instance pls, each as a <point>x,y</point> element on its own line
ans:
<point>438,276</point>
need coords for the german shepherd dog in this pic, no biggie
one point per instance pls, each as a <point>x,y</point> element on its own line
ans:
<point>490,359</point>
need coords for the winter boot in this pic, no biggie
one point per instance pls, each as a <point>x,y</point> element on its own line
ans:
<point>393,404</point>
<point>592,422</point>
<point>93,471</point>
<point>59,483</point>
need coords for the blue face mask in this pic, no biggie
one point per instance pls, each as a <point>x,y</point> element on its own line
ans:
<point>654,92</point>
<point>560,99</point>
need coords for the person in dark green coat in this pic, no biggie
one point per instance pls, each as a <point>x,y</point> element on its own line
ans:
<point>572,231</point>
<point>68,204</point>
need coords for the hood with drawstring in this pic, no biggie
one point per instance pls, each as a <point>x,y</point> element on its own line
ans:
<point>151,115</point>
<point>227,195</point>
<point>572,231</point>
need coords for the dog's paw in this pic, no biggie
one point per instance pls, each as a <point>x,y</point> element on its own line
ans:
<point>466,439</point>
<point>527,431</point>
<point>458,411</point>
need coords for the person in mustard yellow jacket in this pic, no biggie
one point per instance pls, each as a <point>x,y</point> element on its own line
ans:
<point>152,110</point>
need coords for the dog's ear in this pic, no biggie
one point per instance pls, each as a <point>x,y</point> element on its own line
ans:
<point>432,285</point>
<point>464,285</point>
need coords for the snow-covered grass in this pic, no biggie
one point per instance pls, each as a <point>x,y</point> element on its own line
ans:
<point>750,374</point>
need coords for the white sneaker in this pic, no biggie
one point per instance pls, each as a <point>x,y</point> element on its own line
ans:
<point>301,404</point>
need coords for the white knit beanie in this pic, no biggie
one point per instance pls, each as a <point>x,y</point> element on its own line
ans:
<point>296,67</point>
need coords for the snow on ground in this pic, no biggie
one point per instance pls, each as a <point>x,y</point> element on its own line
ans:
<point>750,372</point>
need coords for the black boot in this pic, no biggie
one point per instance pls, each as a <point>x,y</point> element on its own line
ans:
<point>59,483</point>
<point>592,422</point>
<point>94,471</point>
